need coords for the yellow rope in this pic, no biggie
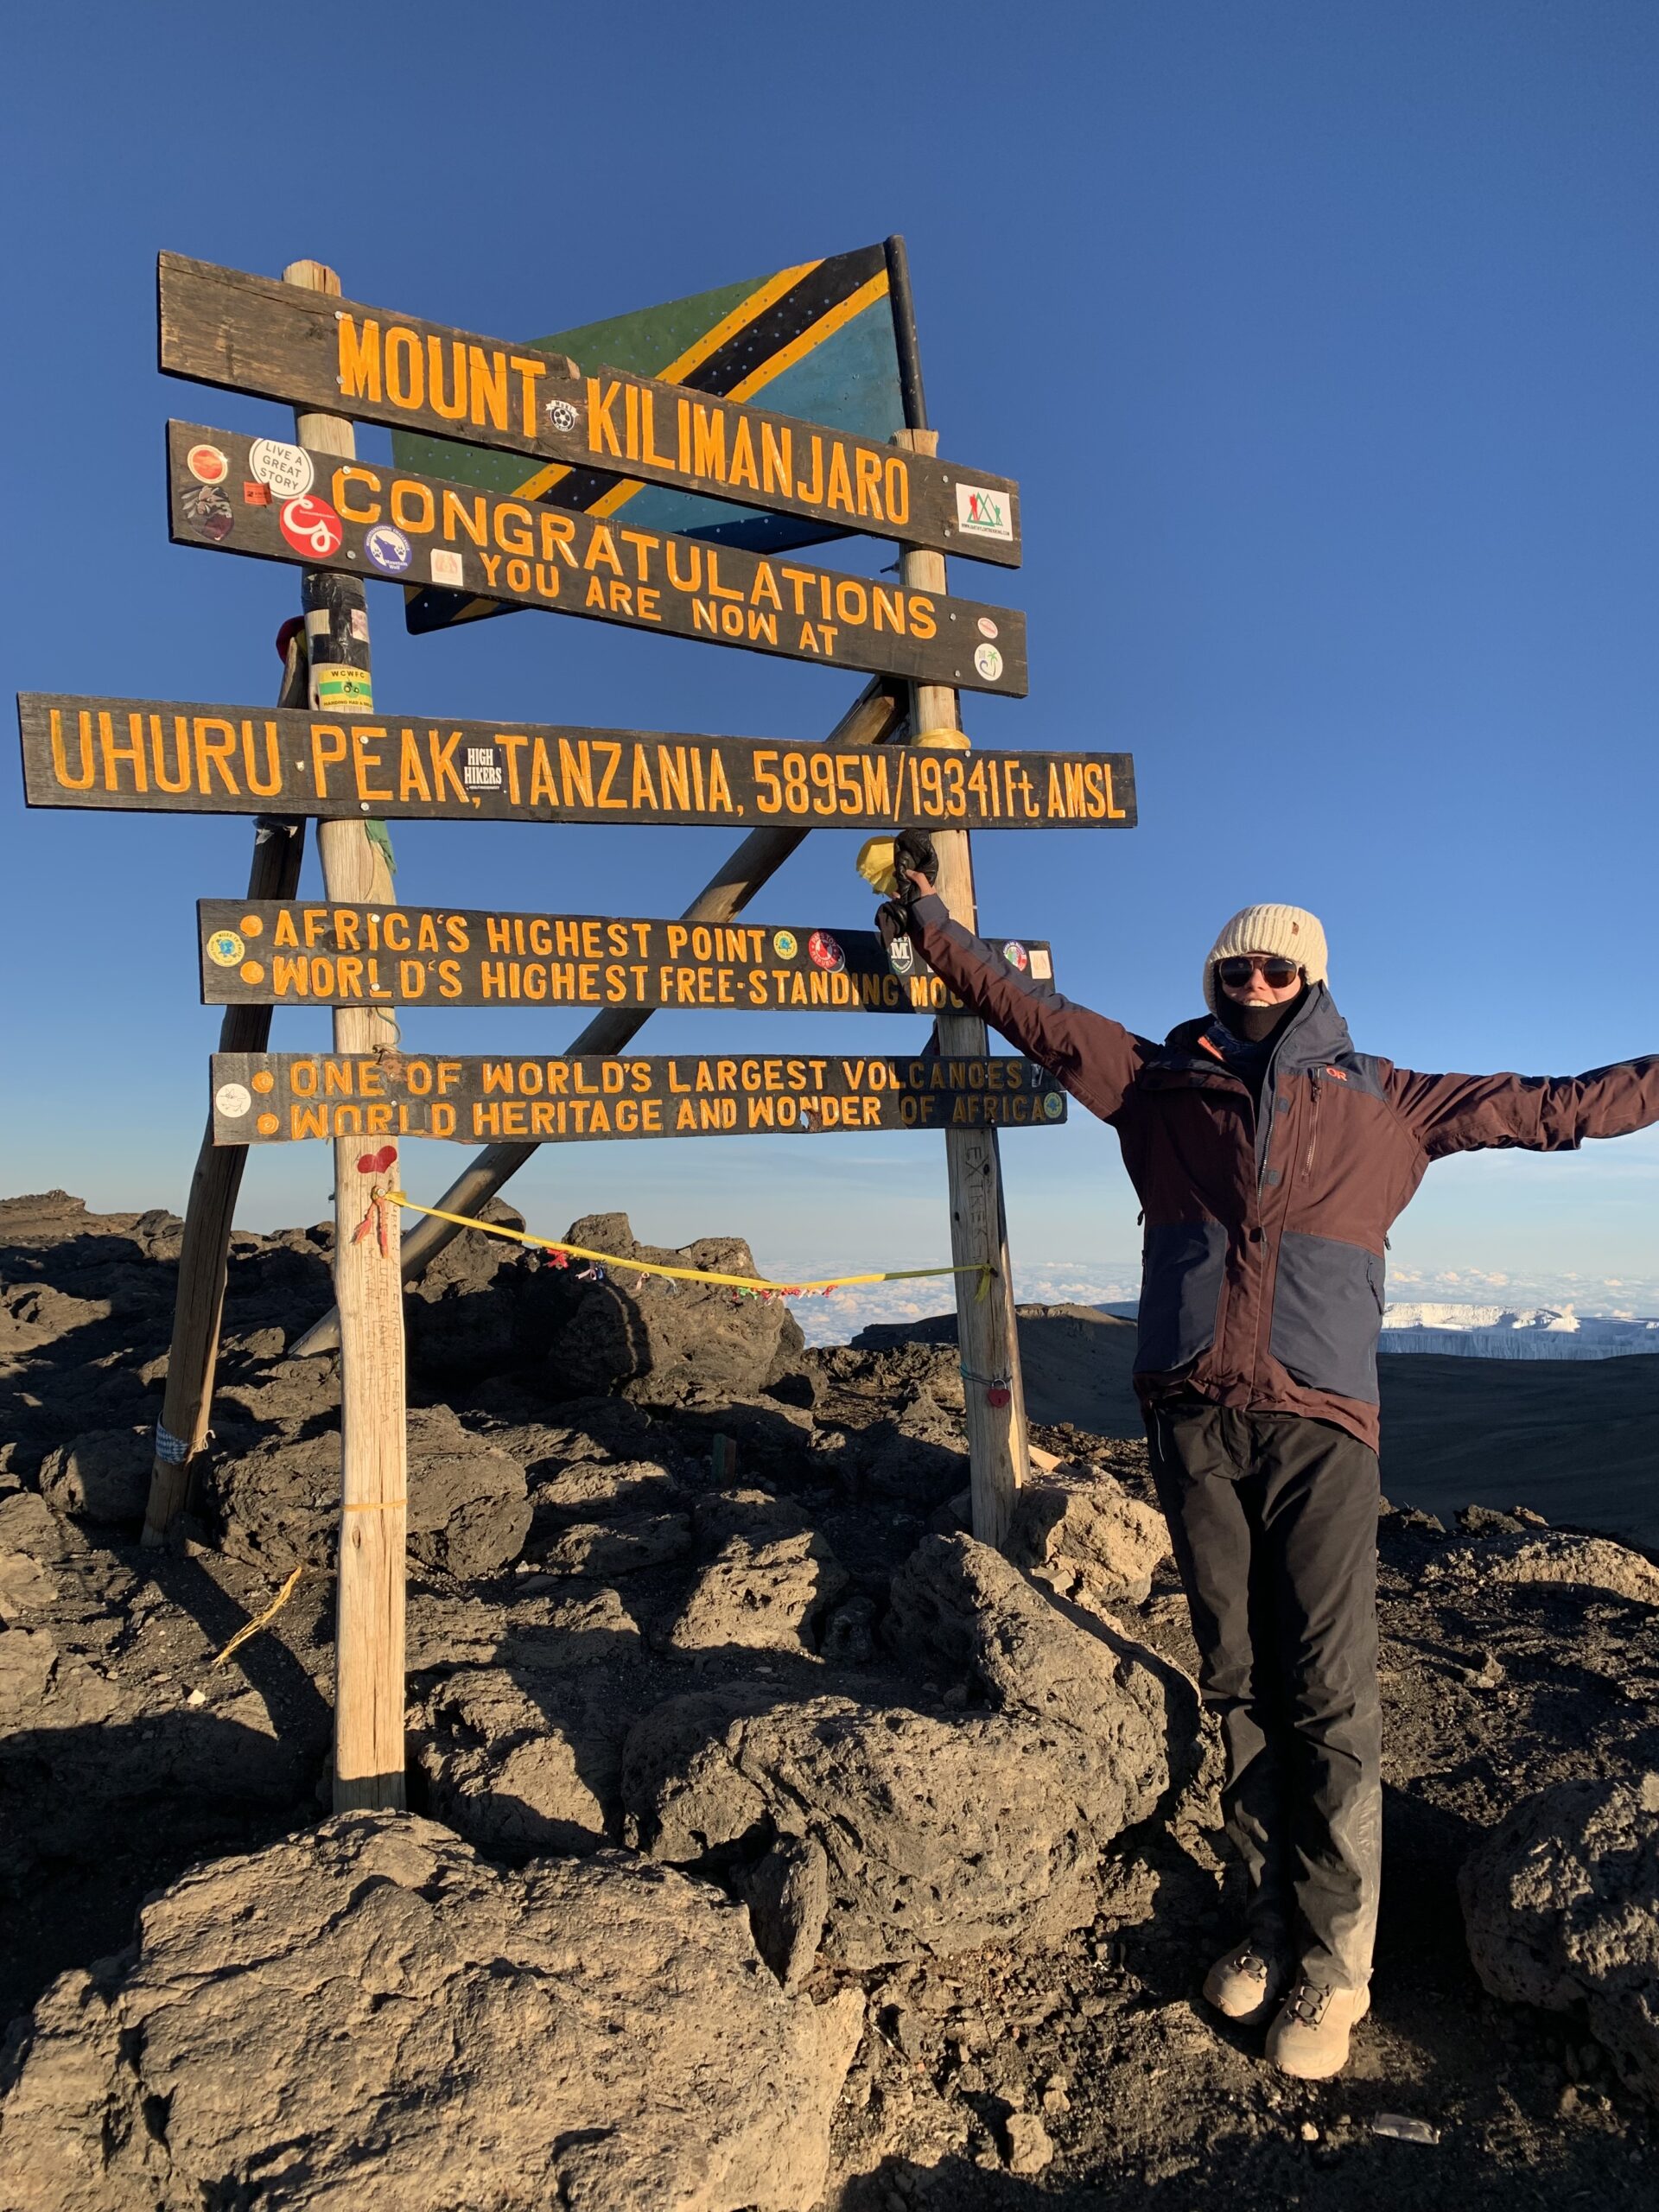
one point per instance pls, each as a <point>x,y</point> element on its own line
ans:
<point>689,1275</point>
<point>264,1619</point>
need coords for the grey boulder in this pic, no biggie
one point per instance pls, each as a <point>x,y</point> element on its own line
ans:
<point>103,1476</point>
<point>368,2018</point>
<point>1560,1907</point>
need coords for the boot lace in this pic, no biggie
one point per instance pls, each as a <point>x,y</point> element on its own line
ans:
<point>1307,2003</point>
<point>1251,1963</point>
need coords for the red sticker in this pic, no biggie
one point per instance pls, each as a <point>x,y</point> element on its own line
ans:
<point>310,526</point>
<point>255,495</point>
<point>376,1163</point>
<point>825,952</point>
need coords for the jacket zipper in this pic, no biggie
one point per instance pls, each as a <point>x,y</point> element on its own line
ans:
<point>1314,1140</point>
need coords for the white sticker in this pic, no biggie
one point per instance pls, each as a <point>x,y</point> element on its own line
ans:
<point>561,415</point>
<point>316,622</point>
<point>982,512</point>
<point>987,628</point>
<point>1042,967</point>
<point>286,468</point>
<point>448,568</point>
<point>360,623</point>
<point>224,948</point>
<point>232,1100</point>
<point>988,662</point>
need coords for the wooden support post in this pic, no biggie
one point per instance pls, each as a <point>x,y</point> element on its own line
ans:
<point>204,1251</point>
<point>368,1281</point>
<point>874,715</point>
<point>986,1333</point>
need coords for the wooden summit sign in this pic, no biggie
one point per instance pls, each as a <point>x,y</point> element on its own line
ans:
<point>282,502</point>
<point>249,333</point>
<point>276,1097</point>
<point>174,757</point>
<point>295,953</point>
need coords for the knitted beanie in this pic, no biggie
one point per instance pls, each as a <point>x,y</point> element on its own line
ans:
<point>1291,931</point>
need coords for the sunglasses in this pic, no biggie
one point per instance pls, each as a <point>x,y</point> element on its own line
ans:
<point>1275,973</point>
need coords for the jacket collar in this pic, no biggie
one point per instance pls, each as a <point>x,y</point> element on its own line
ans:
<point>1315,1034</point>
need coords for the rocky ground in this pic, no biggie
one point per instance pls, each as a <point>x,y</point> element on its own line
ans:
<point>774,1845</point>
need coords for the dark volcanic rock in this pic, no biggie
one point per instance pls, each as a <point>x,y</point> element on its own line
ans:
<point>103,1476</point>
<point>940,1834</point>
<point>1561,1909</point>
<point>469,1511</point>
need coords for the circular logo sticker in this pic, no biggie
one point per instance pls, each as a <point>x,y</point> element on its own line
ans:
<point>987,628</point>
<point>988,662</point>
<point>1054,1105</point>
<point>206,506</point>
<point>561,415</point>
<point>783,944</point>
<point>286,468</point>
<point>207,464</point>
<point>310,526</point>
<point>1016,955</point>
<point>224,948</point>
<point>389,549</point>
<point>901,956</point>
<point>232,1100</point>
<point>824,952</point>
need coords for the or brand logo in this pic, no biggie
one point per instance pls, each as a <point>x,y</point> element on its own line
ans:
<point>561,415</point>
<point>310,526</point>
<point>983,514</point>
<point>1016,955</point>
<point>482,771</point>
<point>824,952</point>
<point>988,662</point>
<point>448,568</point>
<point>388,549</point>
<point>224,948</point>
<point>783,944</point>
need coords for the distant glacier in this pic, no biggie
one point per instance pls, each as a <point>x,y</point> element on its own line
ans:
<point>1516,1332</point>
<point>1501,1332</point>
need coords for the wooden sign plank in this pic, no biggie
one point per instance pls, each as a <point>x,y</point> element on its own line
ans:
<point>278,1097</point>
<point>237,494</point>
<point>172,756</point>
<point>248,334</point>
<point>298,953</point>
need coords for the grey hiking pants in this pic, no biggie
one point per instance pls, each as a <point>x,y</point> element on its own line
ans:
<point>1273,1518</point>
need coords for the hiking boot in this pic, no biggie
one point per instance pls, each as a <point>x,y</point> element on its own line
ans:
<point>1244,1984</point>
<point>1310,2037</point>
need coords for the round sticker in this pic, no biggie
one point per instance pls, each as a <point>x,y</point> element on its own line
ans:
<point>286,468</point>
<point>824,952</point>
<point>224,948</point>
<point>988,662</point>
<point>783,944</point>
<point>1054,1105</point>
<point>310,526</point>
<point>389,549</point>
<point>901,956</point>
<point>987,628</point>
<point>1016,955</point>
<point>232,1100</point>
<point>206,506</point>
<point>561,415</point>
<point>207,464</point>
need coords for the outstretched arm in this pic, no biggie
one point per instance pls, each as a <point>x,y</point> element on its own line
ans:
<point>1095,1058</point>
<point>1538,1113</point>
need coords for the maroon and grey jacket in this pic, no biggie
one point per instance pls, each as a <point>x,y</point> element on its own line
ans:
<point>1261,1283</point>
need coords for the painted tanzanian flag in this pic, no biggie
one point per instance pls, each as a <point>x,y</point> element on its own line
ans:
<point>816,341</point>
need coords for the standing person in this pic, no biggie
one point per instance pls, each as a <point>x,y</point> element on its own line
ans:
<point>1270,1158</point>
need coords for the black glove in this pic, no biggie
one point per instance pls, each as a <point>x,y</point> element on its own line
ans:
<point>913,850</point>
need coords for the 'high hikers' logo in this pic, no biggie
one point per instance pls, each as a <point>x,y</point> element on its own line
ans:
<point>982,513</point>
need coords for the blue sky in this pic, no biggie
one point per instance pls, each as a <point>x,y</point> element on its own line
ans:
<point>1321,339</point>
